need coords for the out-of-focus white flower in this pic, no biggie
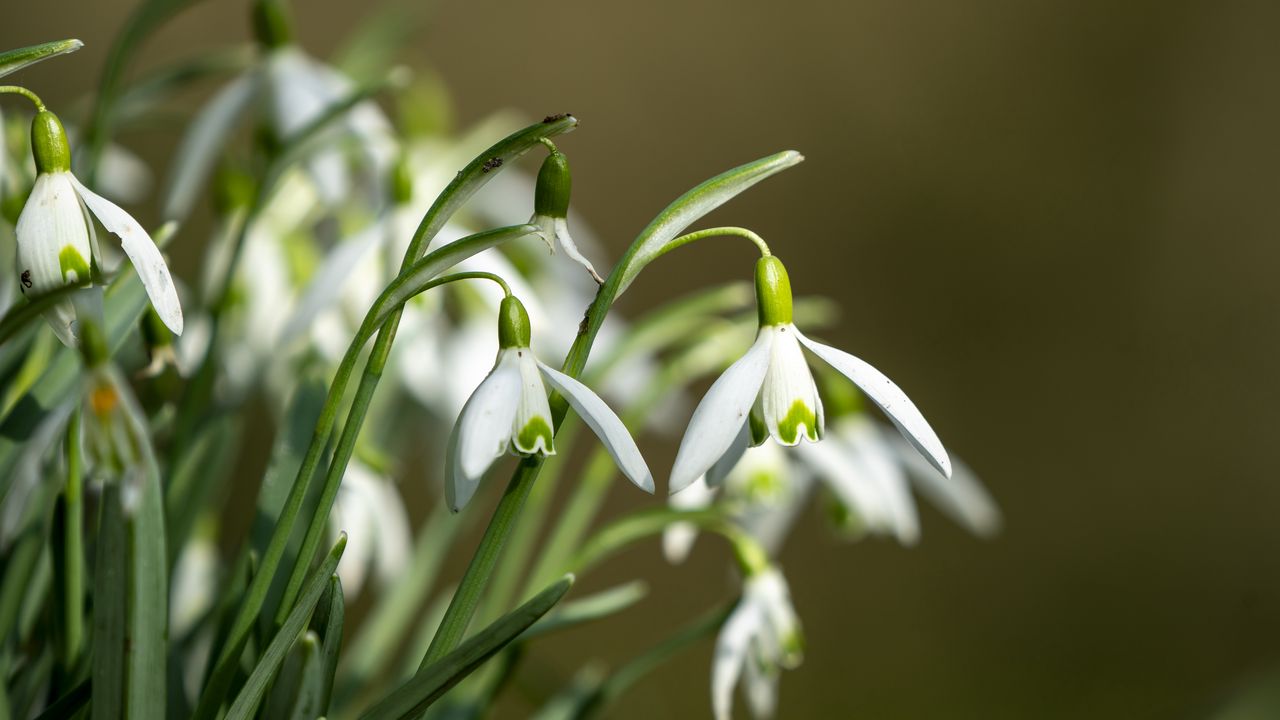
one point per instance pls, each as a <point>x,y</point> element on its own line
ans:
<point>195,583</point>
<point>771,390</point>
<point>760,638</point>
<point>509,412</point>
<point>370,511</point>
<point>294,90</point>
<point>57,243</point>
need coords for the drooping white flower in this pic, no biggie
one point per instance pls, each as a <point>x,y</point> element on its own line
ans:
<point>57,243</point>
<point>551,208</point>
<point>369,510</point>
<point>293,90</point>
<point>509,412</point>
<point>772,391</point>
<point>760,638</point>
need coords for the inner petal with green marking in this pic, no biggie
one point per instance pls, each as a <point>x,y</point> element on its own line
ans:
<point>72,262</point>
<point>535,437</point>
<point>800,418</point>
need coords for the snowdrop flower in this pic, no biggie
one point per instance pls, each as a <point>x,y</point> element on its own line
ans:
<point>369,510</point>
<point>771,390</point>
<point>551,207</point>
<point>294,90</point>
<point>57,244</point>
<point>510,411</point>
<point>759,639</point>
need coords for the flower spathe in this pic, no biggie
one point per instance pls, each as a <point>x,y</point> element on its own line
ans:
<point>57,244</point>
<point>760,638</point>
<point>772,390</point>
<point>509,411</point>
<point>551,209</point>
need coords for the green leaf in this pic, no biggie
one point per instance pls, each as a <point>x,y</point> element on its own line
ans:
<point>286,457</point>
<point>693,205</point>
<point>246,703</point>
<point>328,621</point>
<point>435,679</point>
<point>147,643</point>
<point>590,608</point>
<point>110,608</point>
<point>67,706</point>
<point>286,694</point>
<point>15,60</point>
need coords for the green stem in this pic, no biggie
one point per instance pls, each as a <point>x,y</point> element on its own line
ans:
<point>720,232</point>
<point>19,90</point>
<point>69,558</point>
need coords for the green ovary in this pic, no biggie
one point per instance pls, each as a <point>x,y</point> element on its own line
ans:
<point>527,438</point>
<point>799,415</point>
<point>71,261</point>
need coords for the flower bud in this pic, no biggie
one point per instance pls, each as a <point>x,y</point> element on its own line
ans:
<point>773,292</point>
<point>513,324</point>
<point>49,143</point>
<point>551,196</point>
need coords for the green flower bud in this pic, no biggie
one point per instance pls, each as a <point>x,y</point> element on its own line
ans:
<point>551,196</point>
<point>271,25</point>
<point>513,324</point>
<point>773,292</point>
<point>49,143</point>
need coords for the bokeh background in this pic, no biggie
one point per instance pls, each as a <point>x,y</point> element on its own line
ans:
<point>1053,222</point>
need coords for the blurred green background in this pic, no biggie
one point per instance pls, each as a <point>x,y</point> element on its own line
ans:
<point>1054,223</point>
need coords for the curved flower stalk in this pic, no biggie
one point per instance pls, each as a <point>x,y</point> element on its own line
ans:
<point>509,411</point>
<point>57,243</point>
<point>292,89</point>
<point>369,510</point>
<point>760,638</point>
<point>771,390</point>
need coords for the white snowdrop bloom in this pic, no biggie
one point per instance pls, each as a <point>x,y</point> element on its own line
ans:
<point>195,584</point>
<point>771,390</point>
<point>760,638</point>
<point>509,411</point>
<point>57,243</point>
<point>551,208</point>
<point>293,90</point>
<point>370,511</point>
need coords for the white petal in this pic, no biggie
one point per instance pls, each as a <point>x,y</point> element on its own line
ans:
<point>458,488</point>
<point>203,142</point>
<point>678,537</point>
<point>879,464</point>
<point>761,685</point>
<point>720,470</point>
<point>845,474</point>
<point>570,249</point>
<point>789,387</point>
<point>533,412</point>
<point>720,415</point>
<point>51,221</point>
<point>961,497</point>
<point>605,424</point>
<point>730,655</point>
<point>326,284</point>
<point>142,252</point>
<point>484,427</point>
<point>889,398</point>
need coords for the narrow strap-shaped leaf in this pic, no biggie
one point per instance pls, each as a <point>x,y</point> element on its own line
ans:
<point>589,609</point>
<point>286,457</point>
<point>67,706</point>
<point>148,586</point>
<point>246,703</point>
<point>328,623</point>
<point>432,681</point>
<point>110,608</point>
<point>12,61</point>
<point>287,692</point>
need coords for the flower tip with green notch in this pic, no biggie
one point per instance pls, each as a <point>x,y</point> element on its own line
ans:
<point>509,411</point>
<point>57,244</point>
<point>551,208</point>
<point>771,390</point>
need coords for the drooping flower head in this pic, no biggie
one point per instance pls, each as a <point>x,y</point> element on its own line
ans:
<point>551,208</point>
<point>771,390</point>
<point>760,638</point>
<point>509,412</point>
<point>57,243</point>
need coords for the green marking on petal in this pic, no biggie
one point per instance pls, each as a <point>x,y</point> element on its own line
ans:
<point>527,439</point>
<point>763,486</point>
<point>799,415</point>
<point>71,261</point>
<point>759,431</point>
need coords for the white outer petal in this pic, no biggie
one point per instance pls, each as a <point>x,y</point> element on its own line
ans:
<point>961,497</point>
<point>731,654</point>
<point>879,464</point>
<point>142,252</point>
<point>203,141</point>
<point>605,424</point>
<point>51,220</point>
<point>889,398</point>
<point>717,473</point>
<point>720,415</point>
<point>484,427</point>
